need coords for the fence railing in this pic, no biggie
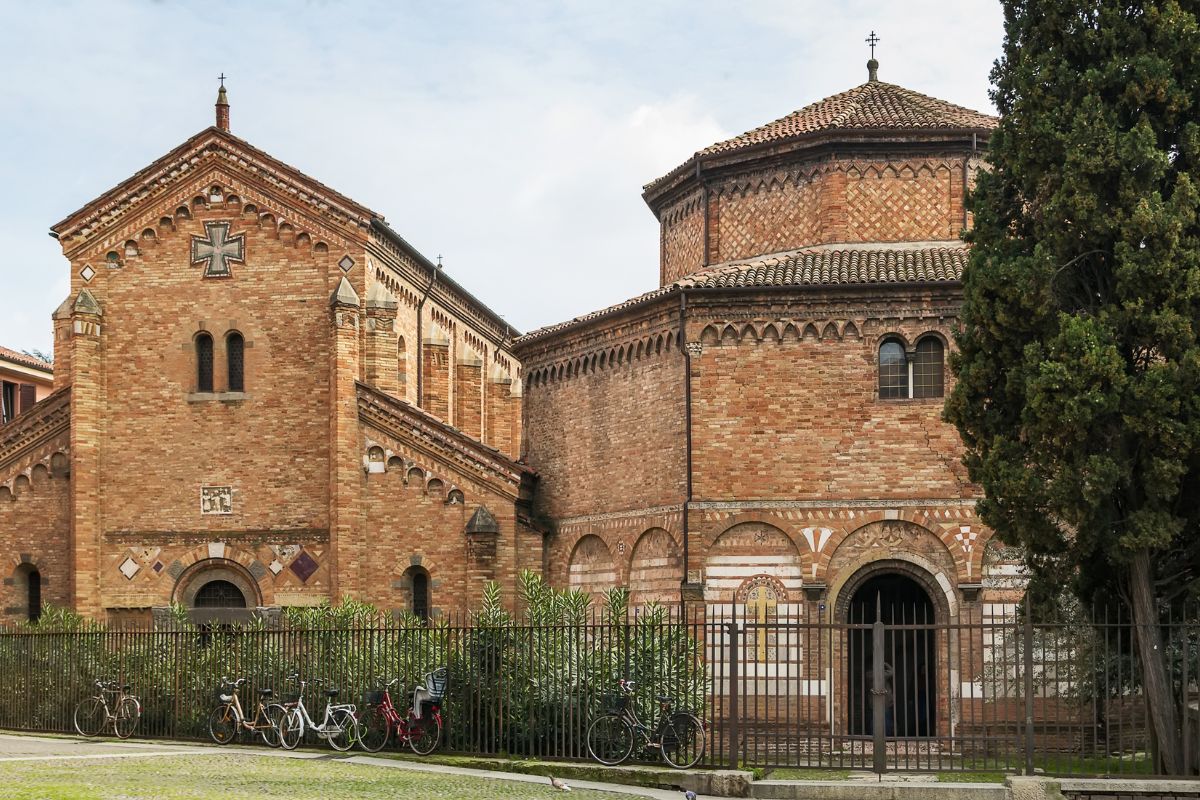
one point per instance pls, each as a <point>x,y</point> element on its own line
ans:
<point>782,687</point>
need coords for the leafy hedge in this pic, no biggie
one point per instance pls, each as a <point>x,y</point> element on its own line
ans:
<point>524,683</point>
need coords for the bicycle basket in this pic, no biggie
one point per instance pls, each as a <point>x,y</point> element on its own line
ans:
<point>614,703</point>
<point>373,698</point>
<point>224,695</point>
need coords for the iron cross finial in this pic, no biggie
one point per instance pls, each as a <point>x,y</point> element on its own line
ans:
<point>221,78</point>
<point>872,40</point>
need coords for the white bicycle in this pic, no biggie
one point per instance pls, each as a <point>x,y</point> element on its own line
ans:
<point>339,726</point>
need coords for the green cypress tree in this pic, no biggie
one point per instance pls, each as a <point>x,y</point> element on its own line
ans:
<point>1078,366</point>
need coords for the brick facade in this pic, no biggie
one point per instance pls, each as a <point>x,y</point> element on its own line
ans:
<point>140,482</point>
<point>756,451</point>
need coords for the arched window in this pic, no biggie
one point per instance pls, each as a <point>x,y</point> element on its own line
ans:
<point>29,590</point>
<point>234,357</point>
<point>204,363</point>
<point>893,371</point>
<point>219,594</point>
<point>419,598</point>
<point>928,373</point>
<point>401,364</point>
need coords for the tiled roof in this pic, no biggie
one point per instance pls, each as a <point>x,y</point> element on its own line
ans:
<point>825,266</point>
<point>841,265</point>
<point>571,323</point>
<point>25,360</point>
<point>874,104</point>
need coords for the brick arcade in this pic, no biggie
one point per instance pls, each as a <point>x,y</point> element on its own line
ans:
<point>265,397</point>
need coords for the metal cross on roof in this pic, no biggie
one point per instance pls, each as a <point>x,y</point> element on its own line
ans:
<point>221,78</point>
<point>218,249</point>
<point>872,40</point>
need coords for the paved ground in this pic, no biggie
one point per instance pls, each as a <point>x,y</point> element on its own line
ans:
<point>54,767</point>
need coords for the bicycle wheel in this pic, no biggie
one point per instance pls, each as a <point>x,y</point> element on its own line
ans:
<point>291,729</point>
<point>345,732</point>
<point>223,724</point>
<point>129,712</point>
<point>273,736</point>
<point>424,734</point>
<point>610,739</point>
<point>374,730</point>
<point>90,716</point>
<point>683,740</point>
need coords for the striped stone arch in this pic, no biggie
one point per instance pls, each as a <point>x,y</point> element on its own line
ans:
<point>655,568</point>
<point>590,569</point>
<point>747,550</point>
<point>793,531</point>
<point>965,549</point>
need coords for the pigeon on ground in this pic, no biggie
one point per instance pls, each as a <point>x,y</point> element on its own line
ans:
<point>557,784</point>
<point>688,794</point>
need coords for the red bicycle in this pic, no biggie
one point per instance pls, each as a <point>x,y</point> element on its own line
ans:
<point>420,727</point>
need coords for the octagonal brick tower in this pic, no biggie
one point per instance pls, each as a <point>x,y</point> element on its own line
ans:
<point>876,164</point>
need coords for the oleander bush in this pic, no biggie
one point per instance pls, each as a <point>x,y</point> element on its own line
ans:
<point>523,683</point>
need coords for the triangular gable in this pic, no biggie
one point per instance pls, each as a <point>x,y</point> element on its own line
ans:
<point>146,187</point>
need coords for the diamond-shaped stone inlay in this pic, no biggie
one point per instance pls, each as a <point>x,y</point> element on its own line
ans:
<point>304,566</point>
<point>159,567</point>
<point>347,263</point>
<point>275,566</point>
<point>129,568</point>
<point>87,273</point>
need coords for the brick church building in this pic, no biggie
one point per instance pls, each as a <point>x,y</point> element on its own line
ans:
<point>265,397</point>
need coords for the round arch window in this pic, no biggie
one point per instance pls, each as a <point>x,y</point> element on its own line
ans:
<point>219,594</point>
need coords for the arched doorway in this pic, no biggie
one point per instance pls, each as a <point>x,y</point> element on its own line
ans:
<point>909,655</point>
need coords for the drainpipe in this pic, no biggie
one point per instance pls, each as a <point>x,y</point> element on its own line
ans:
<point>420,348</point>
<point>687,415</point>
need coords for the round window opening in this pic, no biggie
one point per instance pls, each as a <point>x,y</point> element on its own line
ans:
<point>219,594</point>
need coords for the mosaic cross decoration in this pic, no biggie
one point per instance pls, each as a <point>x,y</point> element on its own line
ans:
<point>218,249</point>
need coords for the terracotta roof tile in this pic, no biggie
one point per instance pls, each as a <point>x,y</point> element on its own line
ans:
<point>816,266</point>
<point>25,360</point>
<point>838,266</point>
<point>874,104</point>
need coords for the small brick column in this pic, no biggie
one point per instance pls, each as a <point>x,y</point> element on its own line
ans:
<point>345,479</point>
<point>87,432</point>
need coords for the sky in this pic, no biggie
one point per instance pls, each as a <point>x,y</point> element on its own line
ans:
<point>510,138</point>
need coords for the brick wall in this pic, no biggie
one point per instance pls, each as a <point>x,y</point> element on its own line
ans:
<point>892,198</point>
<point>35,523</point>
<point>608,439</point>
<point>796,416</point>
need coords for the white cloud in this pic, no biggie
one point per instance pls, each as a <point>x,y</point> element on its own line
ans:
<point>514,139</point>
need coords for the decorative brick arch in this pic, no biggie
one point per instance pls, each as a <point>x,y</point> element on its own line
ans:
<point>748,549</point>
<point>940,529</point>
<point>893,545</point>
<point>252,577</point>
<point>794,533</point>
<point>590,567</point>
<point>207,570</point>
<point>655,568</point>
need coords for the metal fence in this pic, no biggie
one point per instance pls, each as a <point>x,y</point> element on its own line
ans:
<point>886,689</point>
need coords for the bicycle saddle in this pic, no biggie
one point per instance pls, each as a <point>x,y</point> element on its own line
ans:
<point>266,692</point>
<point>331,692</point>
<point>663,698</point>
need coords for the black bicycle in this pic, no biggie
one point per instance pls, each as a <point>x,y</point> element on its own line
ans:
<point>678,735</point>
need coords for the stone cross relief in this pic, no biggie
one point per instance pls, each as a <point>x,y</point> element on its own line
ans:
<point>217,250</point>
